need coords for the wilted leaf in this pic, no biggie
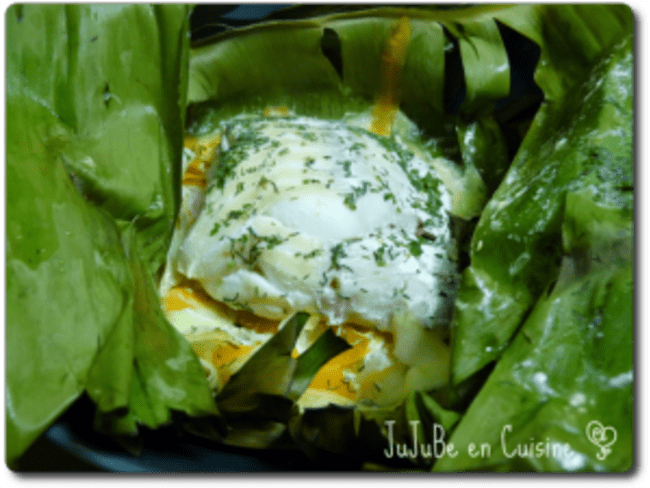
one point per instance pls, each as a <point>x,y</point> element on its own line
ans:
<point>67,284</point>
<point>94,137</point>
<point>583,144</point>
<point>570,364</point>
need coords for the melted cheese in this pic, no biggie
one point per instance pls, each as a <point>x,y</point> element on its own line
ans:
<point>224,339</point>
<point>331,376</point>
<point>196,172</point>
<point>394,58</point>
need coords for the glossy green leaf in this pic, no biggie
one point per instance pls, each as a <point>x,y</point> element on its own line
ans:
<point>582,144</point>
<point>93,138</point>
<point>269,371</point>
<point>309,362</point>
<point>168,369</point>
<point>280,58</point>
<point>347,436</point>
<point>109,377</point>
<point>485,62</point>
<point>483,147</point>
<point>570,364</point>
<point>146,369</point>
<point>67,284</point>
<point>426,418</point>
<point>122,111</point>
<point>336,436</point>
<point>260,61</point>
<point>594,236</point>
<point>258,400</point>
<point>589,30</point>
<point>272,371</point>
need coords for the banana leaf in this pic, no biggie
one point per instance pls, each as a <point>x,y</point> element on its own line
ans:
<point>228,68</point>
<point>569,252</point>
<point>569,365</point>
<point>335,435</point>
<point>66,283</point>
<point>258,400</point>
<point>95,116</point>
<point>584,140</point>
<point>124,109</point>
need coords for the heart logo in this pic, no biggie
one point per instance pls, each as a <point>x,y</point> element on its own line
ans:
<point>601,436</point>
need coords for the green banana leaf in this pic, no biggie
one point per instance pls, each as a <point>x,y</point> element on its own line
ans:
<point>66,283</point>
<point>569,249</point>
<point>584,140</point>
<point>229,68</point>
<point>336,435</point>
<point>95,116</point>
<point>569,365</point>
<point>264,389</point>
<point>124,109</point>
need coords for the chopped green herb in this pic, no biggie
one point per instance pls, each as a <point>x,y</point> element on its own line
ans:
<point>237,304</point>
<point>350,201</point>
<point>351,198</point>
<point>271,241</point>
<point>350,240</point>
<point>235,214</point>
<point>379,255</point>
<point>323,281</point>
<point>346,167</point>
<point>337,253</point>
<point>415,248</point>
<point>391,253</point>
<point>265,181</point>
<point>313,254</point>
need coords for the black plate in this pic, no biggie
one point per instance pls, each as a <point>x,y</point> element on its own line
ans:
<point>72,445</point>
<point>190,456</point>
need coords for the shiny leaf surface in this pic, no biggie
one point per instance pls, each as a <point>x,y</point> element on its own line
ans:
<point>584,143</point>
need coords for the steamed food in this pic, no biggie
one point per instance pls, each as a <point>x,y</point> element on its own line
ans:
<point>341,219</point>
<point>285,213</point>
